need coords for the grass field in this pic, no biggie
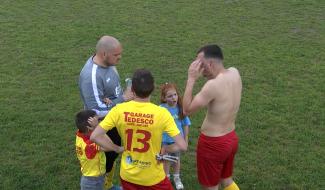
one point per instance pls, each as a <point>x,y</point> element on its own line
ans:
<point>278,46</point>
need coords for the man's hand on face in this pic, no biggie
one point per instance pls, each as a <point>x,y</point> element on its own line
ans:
<point>195,70</point>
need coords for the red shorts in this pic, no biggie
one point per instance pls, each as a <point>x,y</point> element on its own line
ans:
<point>215,158</point>
<point>163,185</point>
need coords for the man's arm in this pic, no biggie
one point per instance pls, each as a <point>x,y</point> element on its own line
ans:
<point>104,149</point>
<point>92,90</point>
<point>200,100</point>
<point>99,137</point>
<point>188,107</point>
<point>191,105</point>
<point>179,145</point>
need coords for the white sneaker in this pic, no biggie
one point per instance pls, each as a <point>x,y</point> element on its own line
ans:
<point>178,183</point>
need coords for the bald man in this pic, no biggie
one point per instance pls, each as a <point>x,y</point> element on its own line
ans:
<point>221,94</point>
<point>100,90</point>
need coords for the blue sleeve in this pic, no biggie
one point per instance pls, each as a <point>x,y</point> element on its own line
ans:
<point>186,121</point>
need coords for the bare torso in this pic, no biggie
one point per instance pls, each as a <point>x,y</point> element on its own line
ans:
<point>222,110</point>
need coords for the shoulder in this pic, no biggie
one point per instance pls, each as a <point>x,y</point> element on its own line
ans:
<point>234,70</point>
<point>164,105</point>
<point>121,106</point>
<point>88,66</point>
<point>113,69</point>
<point>211,84</point>
<point>161,108</point>
<point>211,88</point>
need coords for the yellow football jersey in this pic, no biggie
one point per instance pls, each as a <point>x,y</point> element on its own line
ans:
<point>141,125</point>
<point>92,160</point>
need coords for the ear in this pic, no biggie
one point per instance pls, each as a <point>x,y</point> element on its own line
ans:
<point>210,62</point>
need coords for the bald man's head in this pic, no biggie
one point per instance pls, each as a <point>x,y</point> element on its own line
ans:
<point>108,51</point>
<point>106,44</point>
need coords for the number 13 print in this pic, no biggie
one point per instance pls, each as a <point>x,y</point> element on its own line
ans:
<point>144,140</point>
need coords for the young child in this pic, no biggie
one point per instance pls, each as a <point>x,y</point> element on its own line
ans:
<point>92,158</point>
<point>171,99</point>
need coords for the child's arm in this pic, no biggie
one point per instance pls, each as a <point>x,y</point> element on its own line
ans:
<point>186,131</point>
<point>179,145</point>
<point>93,122</point>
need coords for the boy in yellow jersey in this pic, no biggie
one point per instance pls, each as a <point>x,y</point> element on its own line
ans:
<point>141,125</point>
<point>92,158</point>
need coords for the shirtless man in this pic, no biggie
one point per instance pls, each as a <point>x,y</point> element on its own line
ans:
<point>218,142</point>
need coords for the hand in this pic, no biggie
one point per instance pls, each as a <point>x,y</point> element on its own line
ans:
<point>195,70</point>
<point>107,101</point>
<point>120,149</point>
<point>93,122</point>
<point>128,95</point>
<point>163,150</point>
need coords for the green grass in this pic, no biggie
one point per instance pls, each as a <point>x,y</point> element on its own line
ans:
<point>278,46</point>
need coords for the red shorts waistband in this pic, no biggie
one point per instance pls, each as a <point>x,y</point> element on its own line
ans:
<point>230,134</point>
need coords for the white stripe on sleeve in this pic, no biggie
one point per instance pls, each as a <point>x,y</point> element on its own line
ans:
<point>94,84</point>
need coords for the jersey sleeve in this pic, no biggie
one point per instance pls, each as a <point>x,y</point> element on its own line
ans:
<point>110,120</point>
<point>186,121</point>
<point>91,150</point>
<point>169,123</point>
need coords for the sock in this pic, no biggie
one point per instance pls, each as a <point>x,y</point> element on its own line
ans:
<point>109,178</point>
<point>168,175</point>
<point>232,186</point>
<point>176,175</point>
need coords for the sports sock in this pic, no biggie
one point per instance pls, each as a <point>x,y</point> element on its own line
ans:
<point>176,175</point>
<point>109,178</point>
<point>232,186</point>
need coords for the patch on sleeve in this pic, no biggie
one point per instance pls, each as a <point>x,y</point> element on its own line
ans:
<point>91,151</point>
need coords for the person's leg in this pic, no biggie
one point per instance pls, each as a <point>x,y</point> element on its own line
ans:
<point>226,177</point>
<point>177,166</point>
<point>177,179</point>
<point>109,178</point>
<point>210,188</point>
<point>229,184</point>
<point>128,186</point>
<point>163,185</point>
<point>209,158</point>
<point>166,168</point>
<point>100,183</point>
<point>111,157</point>
<point>226,181</point>
<point>91,183</point>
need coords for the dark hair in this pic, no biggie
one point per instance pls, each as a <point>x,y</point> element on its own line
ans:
<point>82,119</point>
<point>211,51</point>
<point>164,88</point>
<point>142,83</point>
